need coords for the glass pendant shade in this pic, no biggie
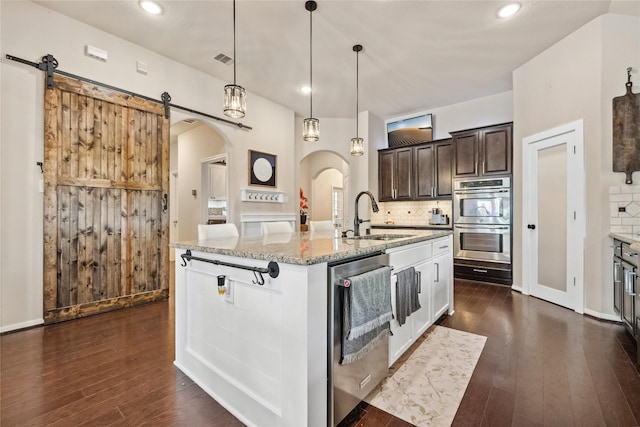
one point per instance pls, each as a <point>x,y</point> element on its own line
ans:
<point>234,104</point>
<point>235,101</point>
<point>311,125</point>
<point>357,146</point>
<point>357,143</point>
<point>311,129</point>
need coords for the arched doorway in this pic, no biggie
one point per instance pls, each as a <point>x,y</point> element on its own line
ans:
<point>194,146</point>
<point>324,177</point>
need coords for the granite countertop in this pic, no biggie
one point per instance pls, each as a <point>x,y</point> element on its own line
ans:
<point>632,239</point>
<point>305,248</point>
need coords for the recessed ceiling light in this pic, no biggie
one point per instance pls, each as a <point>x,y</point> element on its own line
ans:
<point>150,7</point>
<point>509,10</point>
<point>305,89</point>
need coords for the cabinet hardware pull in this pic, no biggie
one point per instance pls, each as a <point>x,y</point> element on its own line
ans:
<point>419,280</point>
<point>477,270</point>
<point>437,272</point>
<point>443,247</point>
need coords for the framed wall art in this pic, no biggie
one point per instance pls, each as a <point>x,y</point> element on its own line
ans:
<point>262,168</point>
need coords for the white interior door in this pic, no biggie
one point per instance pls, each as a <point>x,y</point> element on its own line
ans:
<point>553,214</point>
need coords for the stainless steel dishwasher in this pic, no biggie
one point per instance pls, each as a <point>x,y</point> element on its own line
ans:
<point>349,384</point>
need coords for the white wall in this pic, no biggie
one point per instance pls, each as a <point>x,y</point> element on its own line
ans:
<point>577,79</point>
<point>31,31</point>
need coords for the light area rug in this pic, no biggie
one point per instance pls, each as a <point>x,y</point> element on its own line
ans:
<point>427,388</point>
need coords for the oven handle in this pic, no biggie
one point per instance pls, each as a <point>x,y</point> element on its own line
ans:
<point>477,227</point>
<point>483,191</point>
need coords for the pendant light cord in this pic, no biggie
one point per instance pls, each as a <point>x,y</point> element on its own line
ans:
<point>234,42</point>
<point>311,63</point>
<point>357,89</point>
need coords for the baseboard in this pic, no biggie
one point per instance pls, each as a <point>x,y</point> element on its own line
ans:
<point>21,325</point>
<point>516,288</point>
<point>602,316</point>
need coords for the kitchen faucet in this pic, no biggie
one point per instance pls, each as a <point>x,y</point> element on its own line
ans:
<point>357,221</point>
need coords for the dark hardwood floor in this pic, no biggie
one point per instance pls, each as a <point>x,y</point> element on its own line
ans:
<point>541,365</point>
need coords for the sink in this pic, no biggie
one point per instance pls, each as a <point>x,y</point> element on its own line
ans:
<point>381,236</point>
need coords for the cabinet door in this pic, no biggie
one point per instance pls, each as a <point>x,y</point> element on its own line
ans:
<point>403,172</point>
<point>442,283</point>
<point>401,338</point>
<point>465,153</point>
<point>423,318</point>
<point>443,169</point>
<point>385,175</point>
<point>424,171</point>
<point>617,285</point>
<point>217,182</point>
<point>496,151</point>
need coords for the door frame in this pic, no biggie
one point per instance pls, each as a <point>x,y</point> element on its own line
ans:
<point>576,202</point>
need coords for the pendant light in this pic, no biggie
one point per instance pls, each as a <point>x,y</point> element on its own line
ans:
<point>235,102</point>
<point>357,144</point>
<point>311,125</point>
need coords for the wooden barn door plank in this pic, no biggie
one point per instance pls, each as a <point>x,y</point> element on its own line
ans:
<point>106,174</point>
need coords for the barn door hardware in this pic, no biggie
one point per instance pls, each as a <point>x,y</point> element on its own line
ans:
<point>50,65</point>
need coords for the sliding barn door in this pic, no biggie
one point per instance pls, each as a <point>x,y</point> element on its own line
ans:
<point>106,234</point>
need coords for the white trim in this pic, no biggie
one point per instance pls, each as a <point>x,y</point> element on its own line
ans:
<point>21,325</point>
<point>602,316</point>
<point>517,289</point>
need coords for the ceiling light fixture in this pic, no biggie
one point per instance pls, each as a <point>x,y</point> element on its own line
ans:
<point>305,89</point>
<point>235,101</point>
<point>311,125</point>
<point>357,144</point>
<point>150,7</point>
<point>508,10</point>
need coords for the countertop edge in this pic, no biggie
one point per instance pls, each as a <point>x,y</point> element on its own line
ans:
<point>633,240</point>
<point>375,246</point>
<point>626,237</point>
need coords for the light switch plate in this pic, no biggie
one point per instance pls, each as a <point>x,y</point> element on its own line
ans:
<point>228,294</point>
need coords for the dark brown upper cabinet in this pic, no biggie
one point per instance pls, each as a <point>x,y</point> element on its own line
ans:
<point>433,168</point>
<point>395,174</point>
<point>483,151</point>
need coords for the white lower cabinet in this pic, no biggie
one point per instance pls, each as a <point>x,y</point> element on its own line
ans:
<point>433,262</point>
<point>442,284</point>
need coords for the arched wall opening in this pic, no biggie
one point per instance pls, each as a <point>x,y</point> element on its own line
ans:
<point>194,143</point>
<point>320,172</point>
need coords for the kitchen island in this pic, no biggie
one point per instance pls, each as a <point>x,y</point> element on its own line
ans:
<point>258,343</point>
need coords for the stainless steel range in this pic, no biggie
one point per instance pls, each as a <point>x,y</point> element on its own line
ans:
<point>482,228</point>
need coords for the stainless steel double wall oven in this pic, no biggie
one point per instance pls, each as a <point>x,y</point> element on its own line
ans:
<point>482,228</point>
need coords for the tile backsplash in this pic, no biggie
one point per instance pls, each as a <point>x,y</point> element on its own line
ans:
<point>409,213</point>
<point>624,206</point>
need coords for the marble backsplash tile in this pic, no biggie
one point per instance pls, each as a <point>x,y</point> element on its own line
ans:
<point>624,207</point>
<point>410,213</point>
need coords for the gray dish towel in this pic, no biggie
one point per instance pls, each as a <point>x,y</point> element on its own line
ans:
<point>407,299</point>
<point>366,313</point>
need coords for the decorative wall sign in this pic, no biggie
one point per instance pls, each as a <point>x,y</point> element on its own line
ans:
<point>262,169</point>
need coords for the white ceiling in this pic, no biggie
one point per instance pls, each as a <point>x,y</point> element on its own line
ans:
<point>417,54</point>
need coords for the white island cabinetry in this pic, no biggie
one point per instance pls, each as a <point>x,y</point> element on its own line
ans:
<point>433,263</point>
<point>259,348</point>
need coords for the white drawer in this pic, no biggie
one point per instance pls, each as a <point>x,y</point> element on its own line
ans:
<point>442,246</point>
<point>409,255</point>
